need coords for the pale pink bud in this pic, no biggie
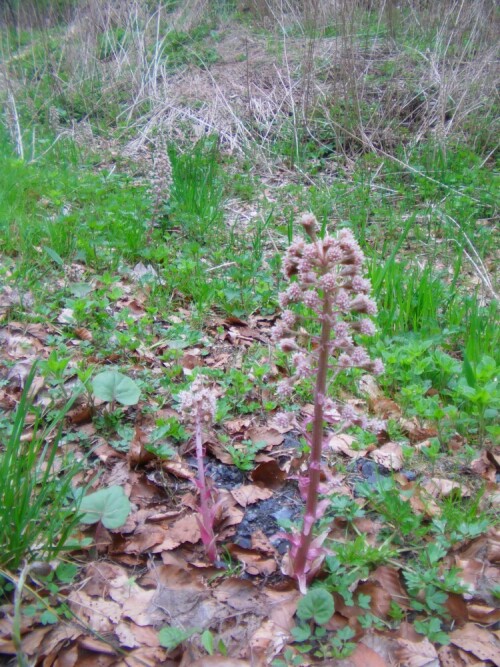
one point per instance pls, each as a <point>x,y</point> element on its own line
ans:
<point>328,282</point>
<point>334,254</point>
<point>360,285</point>
<point>362,304</point>
<point>365,327</point>
<point>344,361</point>
<point>284,389</point>
<point>288,345</point>
<point>343,301</point>
<point>360,356</point>
<point>377,367</point>
<point>288,318</point>
<point>312,300</point>
<point>310,224</point>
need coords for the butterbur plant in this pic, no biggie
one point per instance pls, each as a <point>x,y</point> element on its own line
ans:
<point>331,300</point>
<point>198,405</point>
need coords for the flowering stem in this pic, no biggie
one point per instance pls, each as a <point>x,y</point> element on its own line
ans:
<point>302,556</point>
<point>207,518</point>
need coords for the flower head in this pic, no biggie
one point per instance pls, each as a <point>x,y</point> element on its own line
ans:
<point>198,401</point>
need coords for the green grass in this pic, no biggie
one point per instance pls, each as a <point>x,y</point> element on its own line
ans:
<point>39,508</point>
<point>60,204</point>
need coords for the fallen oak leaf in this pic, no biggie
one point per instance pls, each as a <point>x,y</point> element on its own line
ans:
<point>185,529</point>
<point>389,456</point>
<point>438,487</point>
<point>417,654</point>
<point>343,444</point>
<point>248,494</point>
<point>271,436</point>
<point>269,474</point>
<point>478,641</point>
<point>254,562</point>
<point>363,656</point>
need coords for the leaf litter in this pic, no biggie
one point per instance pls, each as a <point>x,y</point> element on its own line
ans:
<point>151,572</point>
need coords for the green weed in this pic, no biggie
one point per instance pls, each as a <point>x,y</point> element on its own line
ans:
<point>39,508</point>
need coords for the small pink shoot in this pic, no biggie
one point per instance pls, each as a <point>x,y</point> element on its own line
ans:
<point>198,405</point>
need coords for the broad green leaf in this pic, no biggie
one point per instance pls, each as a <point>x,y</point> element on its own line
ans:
<point>114,386</point>
<point>469,373</point>
<point>170,637</point>
<point>301,633</point>
<point>54,256</point>
<point>48,618</point>
<point>317,604</point>
<point>110,506</point>
<point>207,641</point>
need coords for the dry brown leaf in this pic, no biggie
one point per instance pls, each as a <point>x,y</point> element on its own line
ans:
<point>364,657</point>
<point>416,432</point>
<point>389,456</point>
<point>344,444</point>
<point>385,408</point>
<point>483,614</point>
<point>80,415</point>
<point>255,562</point>
<point>220,453</point>
<point>420,501</point>
<point>83,334</point>
<point>417,654</point>
<point>269,639</point>
<point>64,658</point>
<point>185,529</point>
<point>234,426</point>
<point>269,474</point>
<point>137,453</point>
<point>368,385</point>
<point>260,542</point>
<point>478,641</point>
<point>389,580</point>
<point>134,636</point>
<point>145,656</point>
<point>190,361</point>
<point>96,645</point>
<point>494,457</point>
<point>483,466</point>
<point>101,615</point>
<point>449,657</point>
<point>266,434</point>
<point>438,487</point>
<point>493,545</point>
<point>178,467</point>
<point>457,608</point>
<point>250,493</point>
<point>144,538</point>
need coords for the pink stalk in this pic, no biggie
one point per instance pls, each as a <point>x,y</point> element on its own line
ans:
<point>302,557</point>
<point>207,510</point>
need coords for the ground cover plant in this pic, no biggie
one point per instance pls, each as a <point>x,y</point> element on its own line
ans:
<point>201,461</point>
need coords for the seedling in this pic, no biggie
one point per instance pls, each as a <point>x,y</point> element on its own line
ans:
<point>315,609</point>
<point>244,458</point>
<point>115,387</point>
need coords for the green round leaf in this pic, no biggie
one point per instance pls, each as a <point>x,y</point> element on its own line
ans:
<point>110,506</point>
<point>114,386</point>
<point>317,604</point>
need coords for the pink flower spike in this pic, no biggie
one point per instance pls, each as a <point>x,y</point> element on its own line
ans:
<point>327,280</point>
